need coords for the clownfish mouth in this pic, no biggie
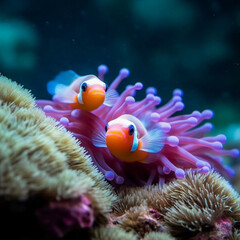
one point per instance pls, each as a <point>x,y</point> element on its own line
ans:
<point>115,134</point>
<point>116,137</point>
<point>97,95</point>
<point>97,92</point>
<point>117,142</point>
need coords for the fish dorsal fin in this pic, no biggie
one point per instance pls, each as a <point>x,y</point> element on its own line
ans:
<point>99,138</point>
<point>61,81</point>
<point>111,97</point>
<point>53,86</point>
<point>153,141</point>
<point>66,77</point>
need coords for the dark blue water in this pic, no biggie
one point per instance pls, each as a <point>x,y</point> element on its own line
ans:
<point>192,45</point>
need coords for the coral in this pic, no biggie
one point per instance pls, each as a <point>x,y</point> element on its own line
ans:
<point>185,144</point>
<point>76,212</point>
<point>200,206</point>
<point>200,202</point>
<point>45,167</point>
<point>111,233</point>
<point>158,236</point>
<point>116,233</point>
<point>14,95</point>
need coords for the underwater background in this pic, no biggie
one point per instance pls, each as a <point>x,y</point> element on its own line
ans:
<point>53,169</point>
<point>192,45</point>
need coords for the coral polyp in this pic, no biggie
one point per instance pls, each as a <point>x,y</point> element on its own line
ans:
<point>184,144</point>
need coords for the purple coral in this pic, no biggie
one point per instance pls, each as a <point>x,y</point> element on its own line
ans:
<point>63,216</point>
<point>185,143</point>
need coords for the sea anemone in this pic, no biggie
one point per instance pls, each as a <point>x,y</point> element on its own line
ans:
<point>184,144</point>
<point>46,177</point>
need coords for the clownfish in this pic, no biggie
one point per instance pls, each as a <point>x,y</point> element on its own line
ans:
<point>128,140</point>
<point>81,92</point>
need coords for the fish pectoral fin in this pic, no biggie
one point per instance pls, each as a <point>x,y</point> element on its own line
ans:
<point>99,139</point>
<point>153,141</point>
<point>111,97</point>
<point>65,95</point>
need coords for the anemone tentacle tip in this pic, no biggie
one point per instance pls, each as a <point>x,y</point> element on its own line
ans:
<point>179,106</point>
<point>151,90</point>
<point>109,175</point>
<point>119,180</point>
<point>217,145</point>
<point>64,121</point>
<point>208,114</point>
<point>130,100</point>
<point>222,138</point>
<point>173,141</point>
<point>124,72</point>
<point>235,152</point>
<point>155,117</point>
<point>139,85</point>
<point>102,68</point>
<point>178,92</point>
<point>180,173</point>
<point>75,113</point>
<point>47,108</point>
<point>166,170</point>
<point>205,169</point>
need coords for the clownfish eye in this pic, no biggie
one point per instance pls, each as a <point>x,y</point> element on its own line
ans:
<point>106,87</point>
<point>131,130</point>
<point>84,86</point>
<point>106,127</point>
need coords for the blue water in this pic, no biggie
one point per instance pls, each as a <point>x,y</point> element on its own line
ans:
<point>169,44</point>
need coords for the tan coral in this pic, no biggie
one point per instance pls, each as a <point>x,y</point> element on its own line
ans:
<point>111,233</point>
<point>158,236</point>
<point>116,233</point>
<point>199,203</point>
<point>139,219</point>
<point>13,93</point>
<point>39,158</point>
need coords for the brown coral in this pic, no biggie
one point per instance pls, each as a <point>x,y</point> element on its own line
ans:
<point>199,202</point>
<point>111,233</point>
<point>41,160</point>
<point>158,236</point>
<point>200,206</point>
<point>116,233</point>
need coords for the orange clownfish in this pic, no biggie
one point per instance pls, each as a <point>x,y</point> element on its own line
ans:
<point>81,92</point>
<point>128,140</point>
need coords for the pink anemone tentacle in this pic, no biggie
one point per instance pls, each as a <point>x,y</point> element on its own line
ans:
<point>185,144</point>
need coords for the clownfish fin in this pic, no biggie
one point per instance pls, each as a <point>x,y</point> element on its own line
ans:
<point>66,77</point>
<point>153,141</point>
<point>99,139</point>
<point>65,95</point>
<point>52,87</point>
<point>61,81</point>
<point>111,97</point>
